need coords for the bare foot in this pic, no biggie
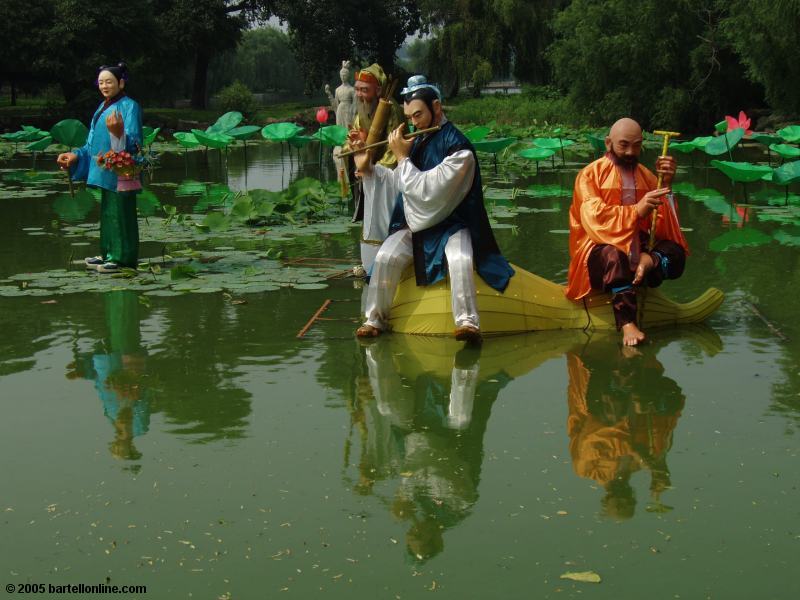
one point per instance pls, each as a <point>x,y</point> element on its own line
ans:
<point>367,331</point>
<point>646,264</point>
<point>468,333</point>
<point>632,335</point>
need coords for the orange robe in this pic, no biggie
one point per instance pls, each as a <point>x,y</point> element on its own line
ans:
<point>597,216</point>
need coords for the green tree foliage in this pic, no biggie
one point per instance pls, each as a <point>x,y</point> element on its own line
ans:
<point>664,63</point>
<point>765,36</point>
<point>263,61</point>
<point>68,39</point>
<point>473,37</point>
<point>83,35</point>
<point>200,29</point>
<point>324,32</point>
<point>23,40</point>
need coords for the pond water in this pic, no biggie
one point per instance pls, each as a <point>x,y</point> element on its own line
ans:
<point>192,444</point>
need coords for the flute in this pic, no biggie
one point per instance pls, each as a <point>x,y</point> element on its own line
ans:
<point>376,144</point>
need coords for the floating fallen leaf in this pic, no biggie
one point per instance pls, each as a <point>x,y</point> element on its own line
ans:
<point>584,576</point>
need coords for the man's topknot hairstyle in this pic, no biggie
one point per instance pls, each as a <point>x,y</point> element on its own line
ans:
<point>426,94</point>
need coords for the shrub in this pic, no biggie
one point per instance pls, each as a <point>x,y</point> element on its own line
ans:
<point>237,96</point>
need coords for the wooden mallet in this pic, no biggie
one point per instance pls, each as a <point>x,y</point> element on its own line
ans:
<point>667,135</point>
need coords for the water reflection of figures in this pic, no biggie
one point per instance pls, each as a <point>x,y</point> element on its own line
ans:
<point>422,411</point>
<point>623,411</point>
<point>425,429</point>
<point>116,366</point>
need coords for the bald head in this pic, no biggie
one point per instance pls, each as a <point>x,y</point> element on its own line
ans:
<point>624,141</point>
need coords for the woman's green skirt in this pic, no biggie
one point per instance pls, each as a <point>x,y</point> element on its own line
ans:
<point>119,228</point>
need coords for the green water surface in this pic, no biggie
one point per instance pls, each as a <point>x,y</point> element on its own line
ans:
<point>194,445</point>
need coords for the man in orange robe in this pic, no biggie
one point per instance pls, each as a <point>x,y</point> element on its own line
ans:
<point>609,223</point>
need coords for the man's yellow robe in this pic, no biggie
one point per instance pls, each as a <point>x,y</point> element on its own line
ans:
<point>383,155</point>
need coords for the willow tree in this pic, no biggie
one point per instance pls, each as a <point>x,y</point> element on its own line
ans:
<point>475,40</point>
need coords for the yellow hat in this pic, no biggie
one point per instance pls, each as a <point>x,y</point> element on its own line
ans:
<point>372,74</point>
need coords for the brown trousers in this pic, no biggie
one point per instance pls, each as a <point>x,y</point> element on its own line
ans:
<point>610,272</point>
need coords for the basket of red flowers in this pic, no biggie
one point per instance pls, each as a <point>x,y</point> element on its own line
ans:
<point>127,167</point>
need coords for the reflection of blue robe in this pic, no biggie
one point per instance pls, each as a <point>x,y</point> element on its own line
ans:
<point>429,258</point>
<point>99,142</point>
<point>104,366</point>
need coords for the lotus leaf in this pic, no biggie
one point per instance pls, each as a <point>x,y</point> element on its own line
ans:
<point>30,136</point>
<point>548,190</point>
<point>739,238</point>
<point>787,173</point>
<point>767,138</point>
<point>70,132</point>
<point>215,221</point>
<point>494,145</point>
<point>702,141</point>
<point>785,150</point>
<point>226,122</point>
<point>536,153</point>
<point>552,143</point>
<point>597,142</point>
<point>722,126</point>
<point>147,203</point>
<point>332,135</point>
<point>190,188</point>
<point>741,171</point>
<point>683,147</point>
<point>244,132</point>
<point>280,132</point>
<point>212,139</point>
<point>186,139</point>
<point>182,272</point>
<point>214,195</point>
<point>477,133</point>
<point>39,145</point>
<point>790,134</point>
<point>149,135</point>
<point>310,286</point>
<point>74,209</point>
<point>724,143</point>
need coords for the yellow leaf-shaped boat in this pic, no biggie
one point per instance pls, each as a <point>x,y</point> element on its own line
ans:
<point>532,303</point>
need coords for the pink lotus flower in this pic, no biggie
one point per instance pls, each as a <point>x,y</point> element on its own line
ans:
<point>322,115</point>
<point>743,123</point>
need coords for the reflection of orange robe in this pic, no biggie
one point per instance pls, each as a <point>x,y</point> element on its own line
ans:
<point>597,216</point>
<point>597,448</point>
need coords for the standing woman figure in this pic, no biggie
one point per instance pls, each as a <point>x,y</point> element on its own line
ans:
<point>116,125</point>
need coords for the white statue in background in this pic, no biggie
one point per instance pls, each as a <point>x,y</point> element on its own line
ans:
<point>343,101</point>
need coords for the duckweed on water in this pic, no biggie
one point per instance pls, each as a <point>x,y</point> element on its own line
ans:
<point>237,272</point>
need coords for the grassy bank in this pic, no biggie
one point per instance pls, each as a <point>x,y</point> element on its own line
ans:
<point>534,107</point>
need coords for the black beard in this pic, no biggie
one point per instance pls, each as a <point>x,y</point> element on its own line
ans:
<point>621,161</point>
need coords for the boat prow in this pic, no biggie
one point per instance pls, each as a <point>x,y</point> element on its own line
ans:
<point>532,303</point>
